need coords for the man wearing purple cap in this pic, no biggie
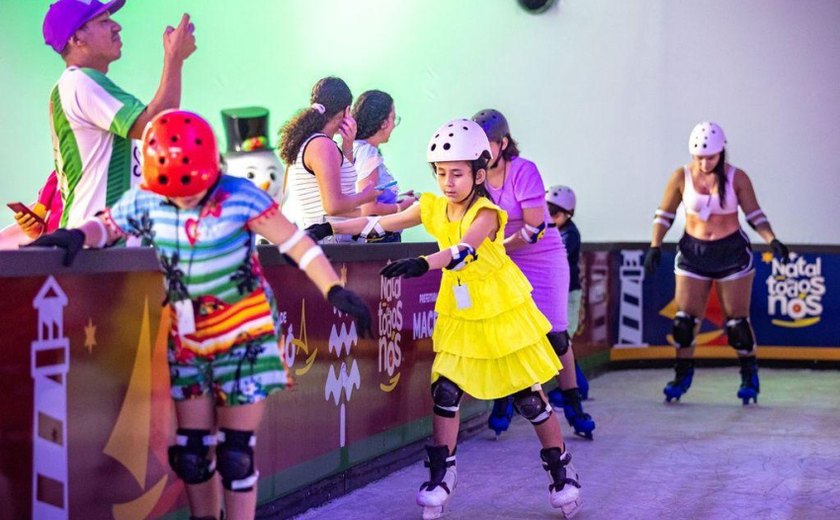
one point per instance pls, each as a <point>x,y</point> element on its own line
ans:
<point>93,120</point>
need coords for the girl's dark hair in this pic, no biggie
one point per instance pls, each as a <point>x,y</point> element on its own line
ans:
<point>512,149</point>
<point>720,173</point>
<point>331,92</point>
<point>370,110</point>
<point>475,165</point>
<point>481,164</point>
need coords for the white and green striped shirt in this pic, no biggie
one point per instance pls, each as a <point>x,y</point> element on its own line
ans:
<point>94,158</point>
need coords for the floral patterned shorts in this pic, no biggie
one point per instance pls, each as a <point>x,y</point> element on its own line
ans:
<point>246,374</point>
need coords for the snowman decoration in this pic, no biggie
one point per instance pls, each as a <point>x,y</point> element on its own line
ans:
<point>249,154</point>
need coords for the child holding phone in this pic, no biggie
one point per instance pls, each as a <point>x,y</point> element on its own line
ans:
<point>375,115</point>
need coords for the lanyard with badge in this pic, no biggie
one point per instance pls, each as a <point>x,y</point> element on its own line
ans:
<point>184,311</point>
<point>460,290</point>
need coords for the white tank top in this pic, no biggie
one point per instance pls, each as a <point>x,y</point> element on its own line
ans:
<point>304,186</point>
<point>705,205</point>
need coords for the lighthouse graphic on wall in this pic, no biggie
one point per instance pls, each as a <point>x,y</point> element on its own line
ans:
<point>50,361</point>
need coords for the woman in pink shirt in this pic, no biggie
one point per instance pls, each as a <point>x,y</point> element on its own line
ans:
<point>515,184</point>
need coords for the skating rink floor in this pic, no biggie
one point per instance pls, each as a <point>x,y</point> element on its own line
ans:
<point>706,457</point>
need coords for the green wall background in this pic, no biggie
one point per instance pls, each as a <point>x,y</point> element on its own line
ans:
<point>601,94</point>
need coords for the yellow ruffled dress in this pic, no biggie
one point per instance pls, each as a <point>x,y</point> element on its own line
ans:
<point>498,345</point>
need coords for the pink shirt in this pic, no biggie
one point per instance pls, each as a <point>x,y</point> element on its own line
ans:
<point>544,263</point>
<point>523,188</point>
<point>50,197</point>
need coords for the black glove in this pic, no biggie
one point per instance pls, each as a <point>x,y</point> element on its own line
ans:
<point>652,259</point>
<point>780,250</point>
<point>318,232</point>
<point>70,240</point>
<point>406,267</point>
<point>349,302</point>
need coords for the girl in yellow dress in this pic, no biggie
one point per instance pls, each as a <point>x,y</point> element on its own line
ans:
<point>489,338</point>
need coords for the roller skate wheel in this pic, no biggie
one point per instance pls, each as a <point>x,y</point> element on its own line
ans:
<point>432,512</point>
<point>568,508</point>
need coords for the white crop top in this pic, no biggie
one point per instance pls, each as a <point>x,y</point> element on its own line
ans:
<point>706,205</point>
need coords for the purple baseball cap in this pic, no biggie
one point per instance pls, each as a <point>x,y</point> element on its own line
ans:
<point>65,17</point>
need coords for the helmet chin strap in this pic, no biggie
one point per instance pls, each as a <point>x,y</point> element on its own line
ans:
<point>498,157</point>
<point>470,194</point>
<point>496,162</point>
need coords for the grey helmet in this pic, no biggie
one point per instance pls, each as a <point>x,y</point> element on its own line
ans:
<point>493,122</point>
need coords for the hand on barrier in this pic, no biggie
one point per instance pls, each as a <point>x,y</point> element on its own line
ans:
<point>780,250</point>
<point>318,232</point>
<point>70,240</point>
<point>652,259</point>
<point>349,302</point>
<point>406,267</point>
<point>372,232</point>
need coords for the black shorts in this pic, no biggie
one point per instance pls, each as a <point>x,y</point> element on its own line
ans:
<point>728,258</point>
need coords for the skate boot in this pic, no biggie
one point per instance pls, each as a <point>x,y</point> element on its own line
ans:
<point>435,493</point>
<point>564,489</point>
<point>579,420</point>
<point>555,399</point>
<point>501,415</point>
<point>749,380</point>
<point>684,370</point>
<point>583,383</point>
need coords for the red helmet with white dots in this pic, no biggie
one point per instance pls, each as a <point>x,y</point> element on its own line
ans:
<point>180,154</point>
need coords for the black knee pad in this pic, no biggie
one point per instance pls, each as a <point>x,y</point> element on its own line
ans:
<point>740,335</point>
<point>447,397</point>
<point>189,457</point>
<point>235,459</point>
<point>530,405</point>
<point>684,325</point>
<point>560,342</point>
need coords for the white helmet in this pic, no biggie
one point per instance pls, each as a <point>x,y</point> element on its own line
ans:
<point>458,140</point>
<point>562,196</point>
<point>707,138</point>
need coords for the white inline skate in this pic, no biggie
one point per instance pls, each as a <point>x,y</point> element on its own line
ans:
<point>564,489</point>
<point>435,493</point>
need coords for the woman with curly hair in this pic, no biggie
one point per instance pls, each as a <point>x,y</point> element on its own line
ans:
<point>321,175</point>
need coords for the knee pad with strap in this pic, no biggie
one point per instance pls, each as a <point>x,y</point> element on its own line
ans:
<point>530,405</point>
<point>683,331</point>
<point>447,397</point>
<point>740,335</point>
<point>189,456</point>
<point>560,342</point>
<point>235,459</point>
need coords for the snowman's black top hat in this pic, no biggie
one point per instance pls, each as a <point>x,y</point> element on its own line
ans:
<point>246,129</point>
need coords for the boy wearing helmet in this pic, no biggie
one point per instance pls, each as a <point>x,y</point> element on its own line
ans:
<point>224,356</point>
<point>490,338</point>
<point>561,202</point>
<point>713,249</point>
